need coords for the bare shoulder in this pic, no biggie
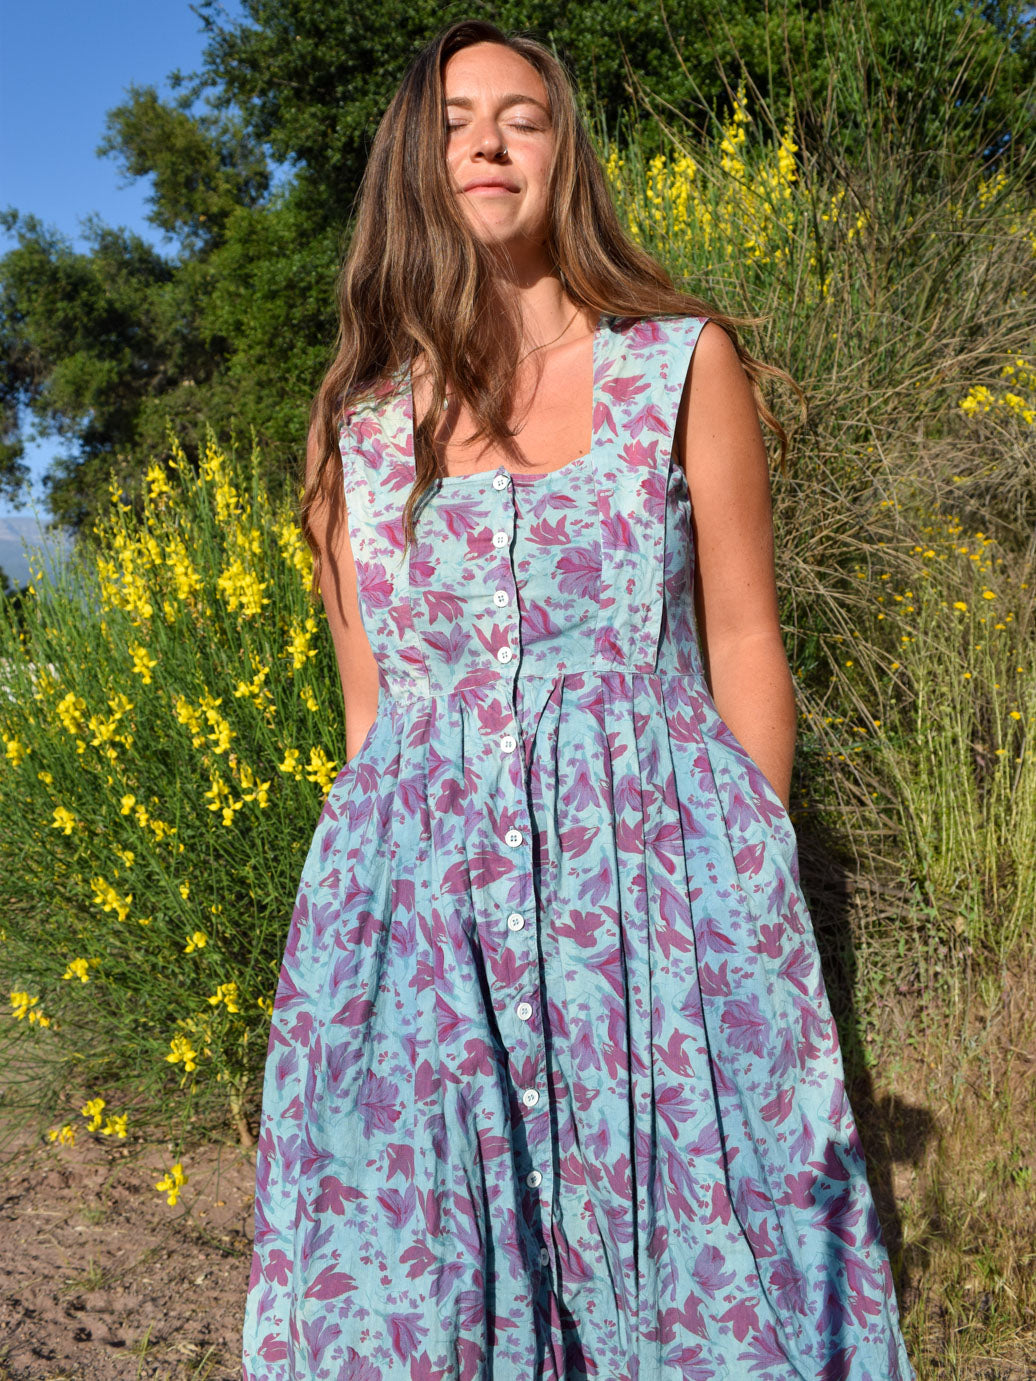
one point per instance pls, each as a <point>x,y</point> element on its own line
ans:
<point>716,380</point>
<point>718,435</point>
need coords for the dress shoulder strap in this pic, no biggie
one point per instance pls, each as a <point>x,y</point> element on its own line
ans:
<point>640,384</point>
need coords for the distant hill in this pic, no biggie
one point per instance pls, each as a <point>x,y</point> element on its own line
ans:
<point>17,533</point>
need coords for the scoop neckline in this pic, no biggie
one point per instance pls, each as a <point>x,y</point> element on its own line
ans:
<point>523,476</point>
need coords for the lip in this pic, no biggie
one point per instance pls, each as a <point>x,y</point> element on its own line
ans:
<point>489,184</point>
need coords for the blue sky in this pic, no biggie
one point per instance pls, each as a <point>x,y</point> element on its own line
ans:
<point>62,67</point>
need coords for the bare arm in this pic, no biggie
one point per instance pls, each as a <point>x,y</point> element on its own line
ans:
<point>724,457</point>
<point>357,669</point>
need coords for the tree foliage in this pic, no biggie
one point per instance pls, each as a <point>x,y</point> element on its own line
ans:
<point>202,167</point>
<point>255,161</point>
<point>312,76</point>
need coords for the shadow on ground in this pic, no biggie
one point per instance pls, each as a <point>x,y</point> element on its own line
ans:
<point>893,1132</point>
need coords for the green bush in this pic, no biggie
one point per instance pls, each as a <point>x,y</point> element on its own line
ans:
<point>171,723</point>
<point>171,715</point>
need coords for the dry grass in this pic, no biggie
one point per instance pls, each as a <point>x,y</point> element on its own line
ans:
<point>941,1059</point>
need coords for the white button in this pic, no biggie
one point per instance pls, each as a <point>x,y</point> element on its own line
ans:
<point>523,1011</point>
<point>508,743</point>
<point>504,655</point>
<point>530,1097</point>
<point>515,921</point>
<point>500,482</point>
<point>544,1256</point>
<point>499,539</point>
<point>534,1179</point>
<point>500,598</point>
<point>513,837</point>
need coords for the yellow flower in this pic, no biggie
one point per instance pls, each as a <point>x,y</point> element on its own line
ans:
<point>299,643</point>
<point>157,482</point>
<point>252,789</point>
<point>79,968</point>
<point>63,820</point>
<point>294,549</point>
<point>171,1183</point>
<point>70,712</point>
<point>290,763</point>
<point>23,1005</point>
<point>92,1110</point>
<point>185,889</point>
<point>242,589</point>
<point>226,992</point>
<point>187,715</point>
<point>106,897</point>
<point>115,1126</point>
<point>961,606</point>
<point>142,662</point>
<point>181,1049</point>
<point>186,580</point>
<point>65,1136</point>
<point>221,732</point>
<point>15,750</point>
<point>988,594</point>
<point>321,769</point>
<point>127,803</point>
<point>221,798</point>
<point>197,940</point>
<point>254,689</point>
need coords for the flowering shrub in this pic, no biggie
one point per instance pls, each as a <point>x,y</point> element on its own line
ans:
<point>171,722</point>
<point>170,710</point>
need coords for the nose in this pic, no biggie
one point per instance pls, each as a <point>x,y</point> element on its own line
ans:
<point>490,143</point>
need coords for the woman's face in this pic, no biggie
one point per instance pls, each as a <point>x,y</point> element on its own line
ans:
<point>497,100</point>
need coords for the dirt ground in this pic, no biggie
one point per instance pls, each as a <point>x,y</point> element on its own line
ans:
<point>101,1280</point>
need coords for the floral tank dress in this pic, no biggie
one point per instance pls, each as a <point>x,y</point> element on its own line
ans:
<point>553,1089</point>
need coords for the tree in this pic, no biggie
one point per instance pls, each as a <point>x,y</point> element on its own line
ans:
<point>310,77</point>
<point>104,349</point>
<point>202,167</point>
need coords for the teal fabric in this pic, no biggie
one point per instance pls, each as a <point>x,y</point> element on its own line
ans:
<point>553,1087</point>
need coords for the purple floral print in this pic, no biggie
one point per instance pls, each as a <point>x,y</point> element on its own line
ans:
<point>553,1089</point>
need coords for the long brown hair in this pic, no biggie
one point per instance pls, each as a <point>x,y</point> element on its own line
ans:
<point>416,279</point>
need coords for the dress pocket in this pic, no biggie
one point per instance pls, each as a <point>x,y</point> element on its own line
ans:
<point>760,784</point>
<point>342,786</point>
<point>742,771</point>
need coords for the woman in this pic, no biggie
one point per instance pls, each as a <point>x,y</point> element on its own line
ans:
<point>553,1088</point>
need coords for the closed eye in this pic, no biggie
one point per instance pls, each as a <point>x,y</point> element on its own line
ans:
<point>515,124</point>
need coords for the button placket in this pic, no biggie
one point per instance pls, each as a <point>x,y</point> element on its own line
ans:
<point>526,1038</point>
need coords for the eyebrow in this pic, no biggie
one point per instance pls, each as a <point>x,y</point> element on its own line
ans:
<point>512,98</point>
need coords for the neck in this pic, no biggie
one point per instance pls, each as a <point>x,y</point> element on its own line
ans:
<point>547,311</point>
